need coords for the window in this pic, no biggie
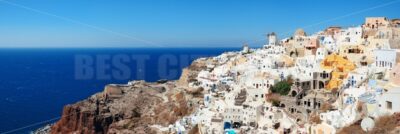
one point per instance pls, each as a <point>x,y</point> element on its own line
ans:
<point>389,105</point>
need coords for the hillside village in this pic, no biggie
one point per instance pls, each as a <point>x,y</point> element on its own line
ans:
<point>339,80</point>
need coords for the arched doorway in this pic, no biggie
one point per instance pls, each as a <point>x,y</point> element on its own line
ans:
<point>283,105</point>
<point>294,93</point>
<point>321,85</point>
<point>292,54</point>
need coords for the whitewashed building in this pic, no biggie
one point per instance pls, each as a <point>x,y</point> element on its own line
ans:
<point>321,54</point>
<point>389,102</point>
<point>272,39</point>
<point>385,58</point>
<point>351,35</point>
<point>329,43</point>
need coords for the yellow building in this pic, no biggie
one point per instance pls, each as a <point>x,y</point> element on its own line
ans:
<point>232,63</point>
<point>240,60</point>
<point>340,68</point>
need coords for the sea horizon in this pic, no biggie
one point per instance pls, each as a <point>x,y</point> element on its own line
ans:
<point>41,81</point>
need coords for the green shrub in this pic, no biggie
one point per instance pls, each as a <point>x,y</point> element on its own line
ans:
<point>282,87</point>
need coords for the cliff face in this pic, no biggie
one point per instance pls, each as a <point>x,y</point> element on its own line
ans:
<point>139,107</point>
<point>130,108</point>
<point>76,118</point>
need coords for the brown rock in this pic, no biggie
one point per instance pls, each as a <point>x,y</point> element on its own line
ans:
<point>134,111</point>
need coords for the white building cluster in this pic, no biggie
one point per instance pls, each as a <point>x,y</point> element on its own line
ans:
<point>339,76</point>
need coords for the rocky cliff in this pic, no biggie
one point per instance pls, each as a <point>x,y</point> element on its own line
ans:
<point>133,108</point>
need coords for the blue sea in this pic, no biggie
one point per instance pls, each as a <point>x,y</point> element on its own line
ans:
<point>36,83</point>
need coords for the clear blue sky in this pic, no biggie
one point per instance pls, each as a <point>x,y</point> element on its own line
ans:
<point>172,23</point>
